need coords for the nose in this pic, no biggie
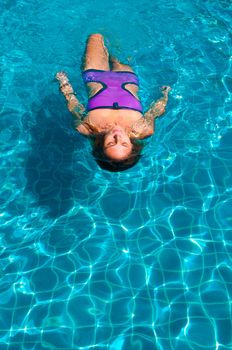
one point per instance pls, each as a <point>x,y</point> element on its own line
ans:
<point>116,138</point>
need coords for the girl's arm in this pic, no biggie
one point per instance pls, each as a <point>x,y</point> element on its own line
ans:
<point>157,108</point>
<point>74,106</point>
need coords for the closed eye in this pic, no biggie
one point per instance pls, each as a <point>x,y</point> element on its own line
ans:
<point>110,143</point>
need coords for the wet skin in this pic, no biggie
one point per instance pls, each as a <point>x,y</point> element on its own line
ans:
<point>117,144</point>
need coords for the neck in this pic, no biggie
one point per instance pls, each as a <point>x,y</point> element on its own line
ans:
<point>95,129</point>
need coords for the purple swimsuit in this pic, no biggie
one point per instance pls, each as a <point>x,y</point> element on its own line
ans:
<point>113,93</point>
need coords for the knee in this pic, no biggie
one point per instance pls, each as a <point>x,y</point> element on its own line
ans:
<point>96,36</point>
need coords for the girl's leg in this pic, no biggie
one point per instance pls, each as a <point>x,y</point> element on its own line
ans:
<point>96,57</point>
<point>96,54</point>
<point>117,66</point>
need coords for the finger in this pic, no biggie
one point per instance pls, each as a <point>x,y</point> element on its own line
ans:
<point>61,75</point>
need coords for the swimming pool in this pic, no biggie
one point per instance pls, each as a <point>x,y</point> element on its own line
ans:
<point>134,260</point>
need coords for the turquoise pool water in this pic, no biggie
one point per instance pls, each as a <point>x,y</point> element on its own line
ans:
<point>127,261</point>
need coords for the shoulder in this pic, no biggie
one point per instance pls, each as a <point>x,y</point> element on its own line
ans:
<point>141,129</point>
<point>83,129</point>
<point>143,135</point>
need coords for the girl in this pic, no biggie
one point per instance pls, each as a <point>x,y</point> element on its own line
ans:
<point>113,118</point>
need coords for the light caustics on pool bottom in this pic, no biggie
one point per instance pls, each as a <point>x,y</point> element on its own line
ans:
<point>137,260</point>
<point>142,283</point>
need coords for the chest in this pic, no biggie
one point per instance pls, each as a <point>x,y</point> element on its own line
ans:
<point>104,119</point>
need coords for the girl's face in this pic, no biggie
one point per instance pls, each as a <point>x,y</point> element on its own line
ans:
<point>117,145</point>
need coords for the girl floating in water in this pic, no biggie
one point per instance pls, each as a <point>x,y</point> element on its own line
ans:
<point>114,119</point>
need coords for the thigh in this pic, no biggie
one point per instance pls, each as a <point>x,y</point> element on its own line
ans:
<point>96,55</point>
<point>118,66</point>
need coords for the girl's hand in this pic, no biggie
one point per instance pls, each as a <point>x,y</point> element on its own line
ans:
<point>62,78</point>
<point>65,86</point>
<point>165,89</point>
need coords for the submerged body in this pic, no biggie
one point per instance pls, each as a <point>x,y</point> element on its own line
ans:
<point>114,113</point>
